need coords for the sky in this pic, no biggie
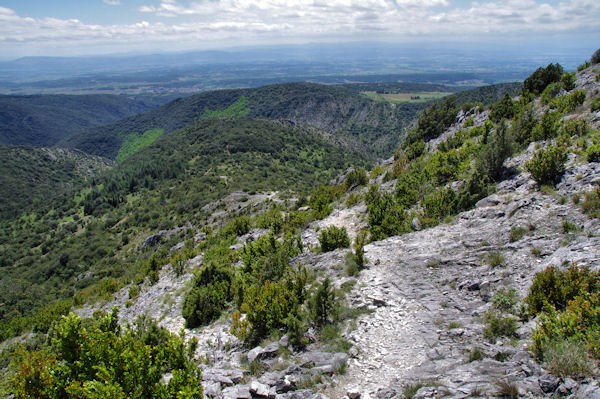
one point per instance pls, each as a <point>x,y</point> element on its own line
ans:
<point>84,27</point>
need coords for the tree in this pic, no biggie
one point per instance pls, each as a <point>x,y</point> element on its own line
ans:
<point>498,148</point>
<point>542,77</point>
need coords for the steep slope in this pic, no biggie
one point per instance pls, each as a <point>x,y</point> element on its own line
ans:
<point>445,304</point>
<point>43,120</point>
<point>69,245</point>
<point>35,175</point>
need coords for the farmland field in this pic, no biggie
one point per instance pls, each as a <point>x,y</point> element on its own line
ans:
<point>397,98</point>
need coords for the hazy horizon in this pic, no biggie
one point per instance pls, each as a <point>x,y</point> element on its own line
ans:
<point>125,27</point>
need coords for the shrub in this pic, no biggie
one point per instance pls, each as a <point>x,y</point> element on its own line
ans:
<point>433,121</point>
<point>98,358</point>
<point>548,165</point>
<point>321,199</point>
<point>569,102</point>
<point>547,128</point>
<point>595,104</point>
<point>566,358</point>
<point>507,389</point>
<point>495,259</point>
<point>516,233</point>
<point>238,226</point>
<point>497,325</point>
<point>523,124</point>
<point>503,109</point>
<point>575,127</point>
<point>322,304</point>
<point>356,177</point>
<point>334,237</point>
<point>493,154</point>
<point>551,91</point>
<point>595,57</point>
<point>208,296</point>
<point>505,299</point>
<point>568,81</point>
<point>542,77</point>
<point>476,354</point>
<point>554,288</point>
<point>592,153</point>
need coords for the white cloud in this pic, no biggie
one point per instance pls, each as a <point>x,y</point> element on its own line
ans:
<point>112,2</point>
<point>229,22</point>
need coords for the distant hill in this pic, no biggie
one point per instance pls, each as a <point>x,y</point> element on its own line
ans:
<point>43,120</point>
<point>33,175</point>
<point>372,126</point>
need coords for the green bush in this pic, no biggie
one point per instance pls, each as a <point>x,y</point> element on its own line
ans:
<point>497,325</point>
<point>516,233</point>
<point>595,104</point>
<point>503,109</point>
<point>523,124</point>
<point>98,358</point>
<point>548,165</point>
<point>547,128</point>
<point>568,81</point>
<point>569,102</point>
<point>575,127</point>
<point>592,153</point>
<point>356,178</point>
<point>542,77</point>
<point>494,153</point>
<point>554,288</point>
<point>334,237</point>
<point>495,259</point>
<point>322,304</point>
<point>386,216</point>
<point>551,91</point>
<point>505,299</point>
<point>208,297</point>
<point>321,199</point>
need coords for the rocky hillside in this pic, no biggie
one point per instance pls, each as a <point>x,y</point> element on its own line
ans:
<point>444,309</point>
<point>466,265</point>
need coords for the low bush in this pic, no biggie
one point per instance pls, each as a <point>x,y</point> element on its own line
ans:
<point>595,104</point>
<point>497,325</point>
<point>592,153</point>
<point>516,233</point>
<point>564,358</point>
<point>548,165</point>
<point>356,177</point>
<point>334,237</point>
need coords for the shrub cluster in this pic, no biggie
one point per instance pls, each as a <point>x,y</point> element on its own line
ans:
<point>548,165</point>
<point>334,237</point>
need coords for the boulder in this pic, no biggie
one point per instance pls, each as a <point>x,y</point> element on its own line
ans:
<point>548,383</point>
<point>237,392</point>
<point>260,390</point>
<point>151,241</point>
<point>212,389</point>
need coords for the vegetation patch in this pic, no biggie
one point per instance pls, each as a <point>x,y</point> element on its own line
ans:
<point>133,142</point>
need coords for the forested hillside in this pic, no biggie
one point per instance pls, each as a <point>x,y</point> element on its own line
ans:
<point>365,124</point>
<point>87,242</point>
<point>32,176</point>
<point>43,120</point>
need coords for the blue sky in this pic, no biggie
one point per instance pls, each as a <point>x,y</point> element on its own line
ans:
<point>77,27</point>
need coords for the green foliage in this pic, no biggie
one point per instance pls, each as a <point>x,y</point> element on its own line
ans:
<point>503,109</point>
<point>133,142</point>
<point>356,178</point>
<point>333,237</point>
<point>575,127</point>
<point>208,297</point>
<point>593,153</point>
<point>547,128</point>
<point>268,306</point>
<point>494,153</point>
<point>595,104</point>
<point>495,259</point>
<point>237,227</point>
<point>568,80</point>
<point>542,77</point>
<point>321,199</point>
<point>386,216</point>
<point>548,165</point>
<point>505,299</point>
<point>96,358</point>
<point>568,102</point>
<point>497,325</point>
<point>516,233</point>
<point>433,121</point>
<point>238,109</point>
<point>554,288</point>
<point>566,358</point>
<point>550,92</point>
<point>476,354</point>
<point>322,304</point>
<point>523,124</point>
